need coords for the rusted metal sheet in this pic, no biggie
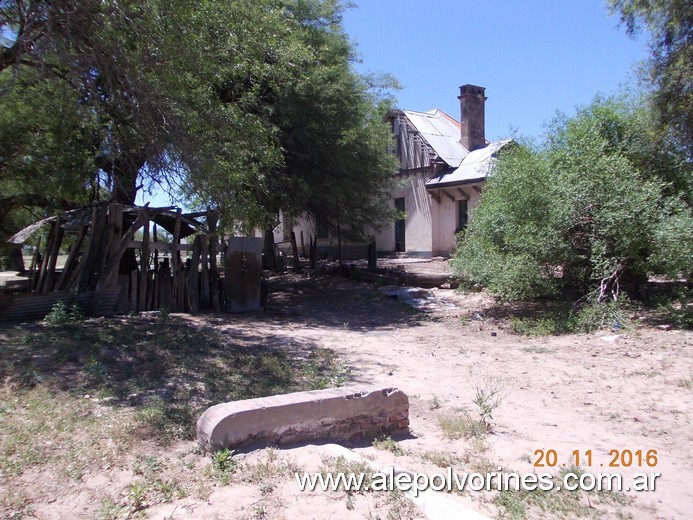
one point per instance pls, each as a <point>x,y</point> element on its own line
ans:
<point>242,274</point>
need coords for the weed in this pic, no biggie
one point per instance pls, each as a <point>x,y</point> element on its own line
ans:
<point>136,496</point>
<point>335,465</point>
<point>61,314</point>
<point>685,382</point>
<point>488,395</point>
<point>164,314</point>
<point>168,419</point>
<point>223,465</point>
<point>536,350</point>
<point>389,444</point>
<point>461,426</point>
<point>147,467</point>
<point>400,508</point>
<point>434,403</point>
<point>15,505</point>
<point>442,459</point>
<point>109,509</point>
<point>95,370</point>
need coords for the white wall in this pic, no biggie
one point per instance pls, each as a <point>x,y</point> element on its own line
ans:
<point>445,217</point>
<point>417,205</point>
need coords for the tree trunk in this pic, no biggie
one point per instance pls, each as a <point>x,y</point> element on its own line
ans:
<point>269,258</point>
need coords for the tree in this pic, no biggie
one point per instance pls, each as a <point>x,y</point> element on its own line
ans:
<point>325,120</point>
<point>592,210</point>
<point>670,68</point>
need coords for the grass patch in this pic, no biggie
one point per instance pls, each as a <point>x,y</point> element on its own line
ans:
<point>93,396</point>
<point>568,319</point>
<point>526,505</point>
<point>389,444</point>
<point>461,426</point>
<point>442,459</point>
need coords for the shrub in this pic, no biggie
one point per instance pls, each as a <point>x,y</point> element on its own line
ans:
<point>593,210</point>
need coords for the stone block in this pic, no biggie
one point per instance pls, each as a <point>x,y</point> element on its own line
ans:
<point>340,414</point>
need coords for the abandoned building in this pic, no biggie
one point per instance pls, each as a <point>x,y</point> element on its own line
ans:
<point>444,164</point>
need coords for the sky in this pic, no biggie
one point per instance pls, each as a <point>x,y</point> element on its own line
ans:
<point>535,57</point>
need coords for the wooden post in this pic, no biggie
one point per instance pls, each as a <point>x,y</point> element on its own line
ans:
<point>372,257</point>
<point>303,246</point>
<point>175,262</point>
<point>110,271</point>
<point>144,267</point>
<point>297,261</point>
<point>132,306</point>
<point>193,299</point>
<point>57,233</point>
<point>156,252</point>
<point>91,254</point>
<point>213,270</point>
<point>204,274</point>
<point>313,251</point>
<point>339,244</point>
<point>32,269</point>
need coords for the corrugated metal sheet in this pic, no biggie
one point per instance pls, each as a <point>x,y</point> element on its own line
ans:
<point>442,132</point>
<point>476,165</point>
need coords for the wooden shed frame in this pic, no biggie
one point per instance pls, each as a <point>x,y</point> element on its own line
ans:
<point>104,280</point>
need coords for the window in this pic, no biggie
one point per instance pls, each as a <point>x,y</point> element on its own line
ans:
<point>462,214</point>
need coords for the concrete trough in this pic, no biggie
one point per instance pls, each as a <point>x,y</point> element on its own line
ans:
<point>339,414</point>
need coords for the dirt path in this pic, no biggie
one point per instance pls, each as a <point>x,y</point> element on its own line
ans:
<point>583,392</point>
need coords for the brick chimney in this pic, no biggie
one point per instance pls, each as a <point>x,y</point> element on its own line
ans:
<point>472,100</point>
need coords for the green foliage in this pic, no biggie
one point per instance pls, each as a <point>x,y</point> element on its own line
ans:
<point>587,317</point>
<point>589,211</point>
<point>670,68</point>
<point>61,314</point>
<point>252,106</point>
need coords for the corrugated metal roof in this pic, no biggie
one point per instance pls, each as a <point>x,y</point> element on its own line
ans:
<point>476,165</point>
<point>442,132</point>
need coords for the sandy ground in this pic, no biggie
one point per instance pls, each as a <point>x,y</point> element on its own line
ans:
<point>599,392</point>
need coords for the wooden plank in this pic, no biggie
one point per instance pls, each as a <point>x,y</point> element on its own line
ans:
<point>34,261</point>
<point>110,271</point>
<point>31,306</point>
<point>132,304</point>
<point>242,273</point>
<point>144,267</point>
<point>294,246</point>
<point>213,270</point>
<point>204,274</point>
<point>71,262</point>
<point>193,297</point>
<point>46,258</point>
<point>477,189</point>
<point>121,304</point>
<point>55,251</point>
<point>435,196</point>
<point>159,246</point>
<point>175,264</point>
<point>88,257</point>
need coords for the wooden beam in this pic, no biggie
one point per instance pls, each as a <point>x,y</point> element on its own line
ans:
<point>435,196</point>
<point>477,189</point>
<point>463,194</point>
<point>144,266</point>
<point>448,195</point>
<point>159,246</point>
